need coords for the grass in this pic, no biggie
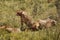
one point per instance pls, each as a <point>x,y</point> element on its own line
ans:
<point>38,9</point>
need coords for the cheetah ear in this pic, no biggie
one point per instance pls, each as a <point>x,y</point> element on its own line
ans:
<point>23,12</point>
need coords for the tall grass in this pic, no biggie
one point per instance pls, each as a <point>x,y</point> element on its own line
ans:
<point>37,9</point>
